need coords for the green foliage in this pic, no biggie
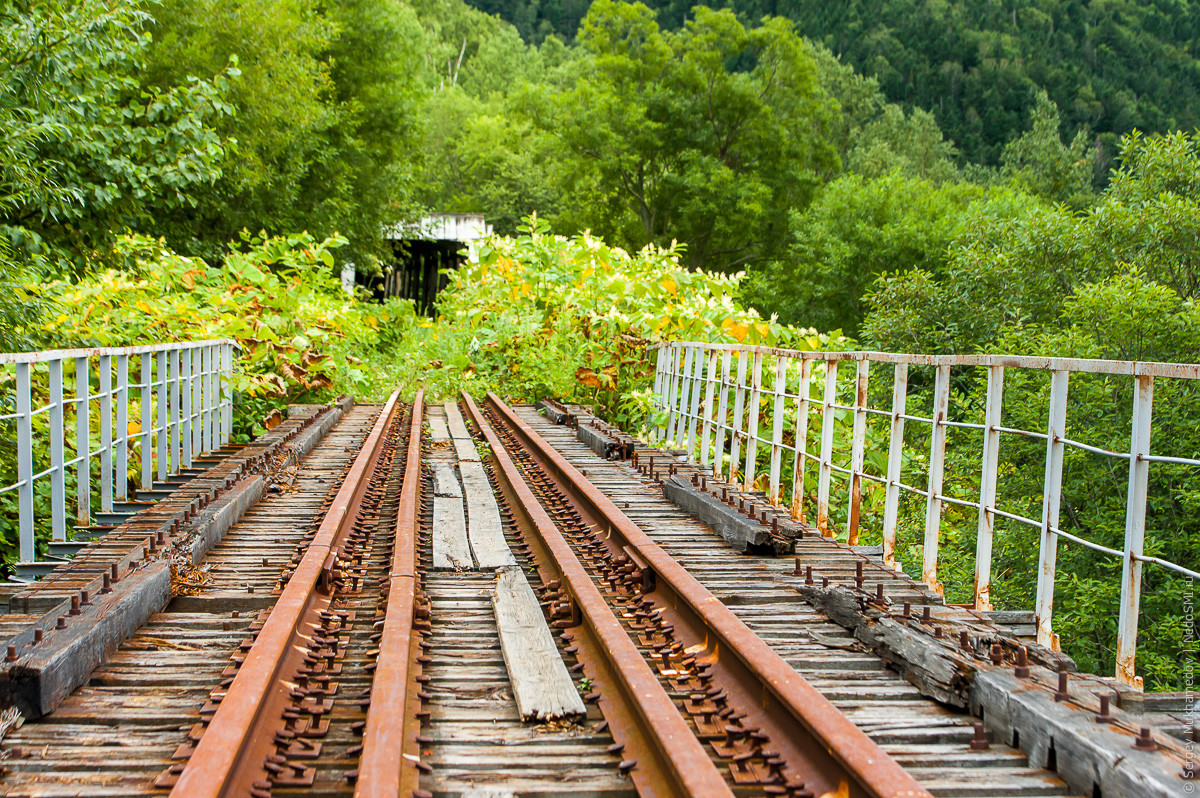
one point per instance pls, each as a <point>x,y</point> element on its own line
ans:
<point>326,123</point>
<point>704,136</point>
<point>1019,259</point>
<point>857,230</point>
<point>85,147</point>
<point>1115,281</point>
<point>1038,162</point>
<point>542,315</point>
<point>302,336</point>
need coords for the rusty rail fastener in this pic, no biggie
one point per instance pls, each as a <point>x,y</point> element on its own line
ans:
<point>1021,671</point>
<point>1105,715</point>
<point>980,741</point>
<point>1144,741</point>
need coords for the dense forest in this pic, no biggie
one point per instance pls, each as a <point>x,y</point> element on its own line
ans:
<point>1111,67</point>
<point>918,177</point>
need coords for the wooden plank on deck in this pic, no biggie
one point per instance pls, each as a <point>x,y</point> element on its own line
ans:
<point>484,531</point>
<point>451,551</point>
<point>541,684</point>
<point>464,446</point>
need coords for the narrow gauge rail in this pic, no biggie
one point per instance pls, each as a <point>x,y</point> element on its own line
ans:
<point>380,660</point>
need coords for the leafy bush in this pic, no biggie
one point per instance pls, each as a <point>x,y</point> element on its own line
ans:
<point>302,337</point>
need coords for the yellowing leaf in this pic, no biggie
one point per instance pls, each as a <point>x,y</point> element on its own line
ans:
<point>669,286</point>
<point>739,331</point>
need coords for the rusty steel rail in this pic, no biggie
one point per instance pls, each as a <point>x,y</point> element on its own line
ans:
<point>390,755</point>
<point>802,727</point>
<point>662,756</point>
<point>231,757</point>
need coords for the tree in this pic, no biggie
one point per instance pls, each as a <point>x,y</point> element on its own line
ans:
<point>708,136</point>
<point>1039,162</point>
<point>86,149</point>
<point>855,231</point>
<point>326,124</point>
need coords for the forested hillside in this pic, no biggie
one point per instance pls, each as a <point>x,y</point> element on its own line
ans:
<point>1110,67</point>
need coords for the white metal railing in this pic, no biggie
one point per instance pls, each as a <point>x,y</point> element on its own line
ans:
<point>693,382</point>
<point>181,399</point>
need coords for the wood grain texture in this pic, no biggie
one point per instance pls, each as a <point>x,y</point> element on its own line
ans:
<point>541,684</point>
<point>484,531</point>
<point>451,552</point>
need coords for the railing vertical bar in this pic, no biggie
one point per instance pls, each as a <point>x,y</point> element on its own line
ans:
<point>206,436</point>
<point>58,458</point>
<point>988,473</point>
<point>777,427</point>
<point>722,417</point>
<point>162,434</point>
<point>1051,503</point>
<point>1135,529</point>
<point>891,501</point>
<point>197,416</point>
<point>24,407</point>
<point>147,416</point>
<point>174,445</point>
<point>83,469</point>
<point>681,399</point>
<point>226,393</point>
<point>937,463</point>
<point>826,472</point>
<point>752,435</point>
<point>709,410</point>
<point>673,395</point>
<point>862,372</point>
<point>739,404</point>
<point>185,407</point>
<point>122,429</point>
<point>800,458</point>
<point>697,370</point>
<point>106,434</point>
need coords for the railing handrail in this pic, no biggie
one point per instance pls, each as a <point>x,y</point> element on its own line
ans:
<point>1129,368</point>
<point>710,430</point>
<point>46,355</point>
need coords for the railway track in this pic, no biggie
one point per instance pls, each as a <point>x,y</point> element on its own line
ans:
<point>463,600</point>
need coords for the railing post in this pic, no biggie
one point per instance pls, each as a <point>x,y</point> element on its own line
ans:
<point>175,443</point>
<point>777,427</point>
<point>146,389</point>
<point>722,413</point>
<point>184,358</point>
<point>58,459</point>
<point>226,393</point>
<point>24,404</point>
<point>710,378</point>
<point>83,468</point>
<point>891,501</point>
<point>861,373</point>
<point>122,431</point>
<point>937,462</point>
<point>197,417</point>
<point>694,391</point>
<point>673,397</point>
<point>1051,501</point>
<point>206,416</point>
<point>825,470</point>
<point>988,471</point>
<point>739,403</point>
<point>752,423</point>
<point>163,433</point>
<point>1135,529</point>
<point>660,362</point>
<point>800,457</point>
<point>106,434</point>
